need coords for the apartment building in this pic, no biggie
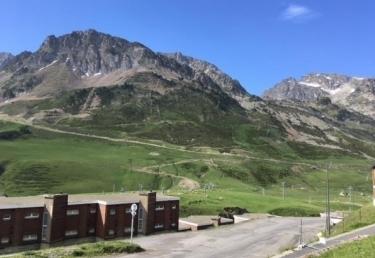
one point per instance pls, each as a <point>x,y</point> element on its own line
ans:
<point>52,218</point>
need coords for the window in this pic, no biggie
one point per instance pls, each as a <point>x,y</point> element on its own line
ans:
<point>140,220</point>
<point>112,211</point>
<point>174,207</point>
<point>91,230</point>
<point>4,240</point>
<point>128,210</point>
<point>92,210</point>
<point>111,232</point>
<point>128,230</point>
<point>71,233</point>
<point>159,207</point>
<point>30,237</point>
<point>45,223</point>
<point>72,212</point>
<point>32,215</point>
<point>7,217</point>
<point>45,219</point>
<point>158,226</point>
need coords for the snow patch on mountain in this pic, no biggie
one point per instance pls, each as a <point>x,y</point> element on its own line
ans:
<point>311,84</point>
<point>52,63</point>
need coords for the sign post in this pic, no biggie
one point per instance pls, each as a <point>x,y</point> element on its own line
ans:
<point>133,209</point>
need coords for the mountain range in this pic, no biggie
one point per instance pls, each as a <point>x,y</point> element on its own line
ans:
<point>354,93</point>
<point>93,82</point>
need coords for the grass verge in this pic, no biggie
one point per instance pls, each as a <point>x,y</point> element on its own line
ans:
<point>85,250</point>
<point>360,249</point>
<point>357,219</point>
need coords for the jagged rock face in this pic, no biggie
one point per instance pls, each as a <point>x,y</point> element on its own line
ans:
<point>219,77</point>
<point>357,94</point>
<point>81,58</point>
<point>87,53</point>
<point>291,89</point>
<point>4,57</point>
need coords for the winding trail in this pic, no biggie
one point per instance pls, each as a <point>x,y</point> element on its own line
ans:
<point>174,148</point>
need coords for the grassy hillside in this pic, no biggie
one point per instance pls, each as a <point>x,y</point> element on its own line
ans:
<point>359,218</point>
<point>359,249</point>
<point>206,179</point>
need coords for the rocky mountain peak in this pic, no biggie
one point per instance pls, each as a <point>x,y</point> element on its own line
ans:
<point>199,66</point>
<point>91,58</point>
<point>4,57</point>
<point>351,92</point>
<point>323,80</point>
<point>86,53</point>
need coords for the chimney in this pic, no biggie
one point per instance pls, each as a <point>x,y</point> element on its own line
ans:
<point>54,217</point>
<point>147,204</point>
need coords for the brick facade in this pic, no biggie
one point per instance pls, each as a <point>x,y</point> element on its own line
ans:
<point>58,219</point>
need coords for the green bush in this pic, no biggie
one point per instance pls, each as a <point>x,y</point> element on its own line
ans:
<point>295,212</point>
<point>78,253</point>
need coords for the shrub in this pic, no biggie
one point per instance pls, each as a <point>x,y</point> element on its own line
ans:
<point>78,253</point>
<point>295,212</point>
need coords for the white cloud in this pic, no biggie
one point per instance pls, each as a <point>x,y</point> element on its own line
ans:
<point>297,12</point>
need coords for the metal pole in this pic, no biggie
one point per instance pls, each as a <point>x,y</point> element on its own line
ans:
<point>350,196</point>
<point>132,229</point>
<point>131,165</point>
<point>328,211</point>
<point>283,183</point>
<point>300,234</point>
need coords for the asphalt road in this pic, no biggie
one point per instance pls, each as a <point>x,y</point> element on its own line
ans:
<point>259,238</point>
<point>332,242</point>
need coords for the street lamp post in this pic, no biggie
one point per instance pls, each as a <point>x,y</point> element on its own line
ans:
<point>133,209</point>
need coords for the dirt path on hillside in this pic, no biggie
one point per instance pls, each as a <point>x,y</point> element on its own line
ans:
<point>19,120</point>
<point>185,182</point>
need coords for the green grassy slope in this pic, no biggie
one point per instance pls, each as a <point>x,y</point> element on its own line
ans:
<point>358,218</point>
<point>39,162</point>
<point>360,249</point>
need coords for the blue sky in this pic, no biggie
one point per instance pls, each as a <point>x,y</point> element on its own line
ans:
<point>258,42</point>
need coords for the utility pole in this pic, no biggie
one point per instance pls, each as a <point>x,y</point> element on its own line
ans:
<point>300,234</point>
<point>350,197</point>
<point>130,165</point>
<point>283,183</point>
<point>328,208</point>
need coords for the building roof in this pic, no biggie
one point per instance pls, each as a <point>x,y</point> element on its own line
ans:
<point>75,199</point>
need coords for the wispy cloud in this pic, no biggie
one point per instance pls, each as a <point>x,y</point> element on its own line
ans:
<point>297,13</point>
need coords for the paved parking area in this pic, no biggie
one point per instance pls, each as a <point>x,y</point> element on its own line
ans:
<point>259,238</point>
